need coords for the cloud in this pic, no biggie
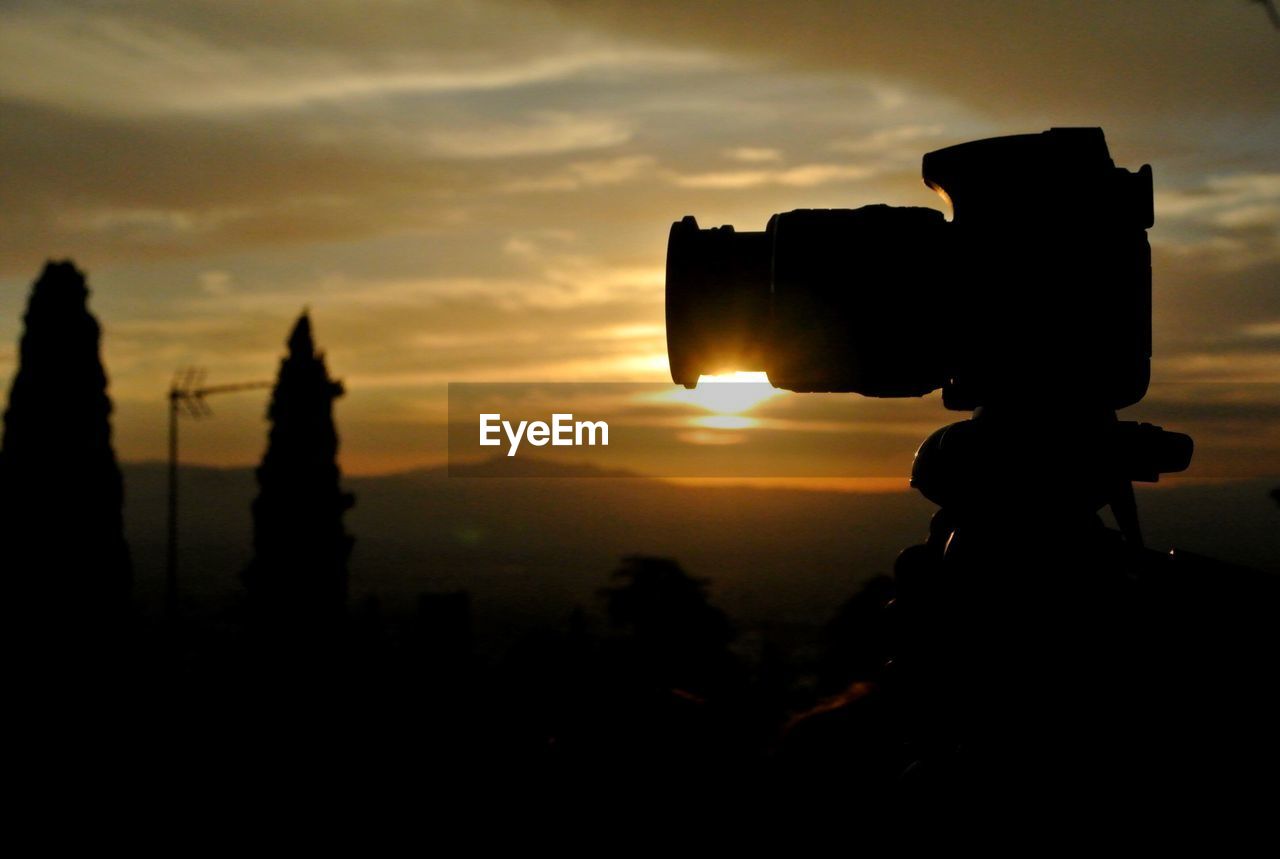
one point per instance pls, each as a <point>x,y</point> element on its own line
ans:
<point>216,283</point>
<point>479,189</point>
<point>753,154</point>
<point>1263,330</point>
<point>1230,220</point>
<point>114,188</point>
<point>540,134</point>
<point>612,171</point>
<point>585,174</point>
<point>533,244</point>
<point>803,176</point>
<point>140,58</point>
<point>1221,193</point>
<point>891,141</point>
<point>1089,61</point>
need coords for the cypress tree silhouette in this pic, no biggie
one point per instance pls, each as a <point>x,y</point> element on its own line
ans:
<point>61,493</point>
<point>297,580</point>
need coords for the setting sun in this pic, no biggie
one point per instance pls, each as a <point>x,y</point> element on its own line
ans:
<point>729,394</point>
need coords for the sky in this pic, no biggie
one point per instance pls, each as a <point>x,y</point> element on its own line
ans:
<point>481,190</point>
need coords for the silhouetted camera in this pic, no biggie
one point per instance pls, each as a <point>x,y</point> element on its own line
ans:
<point>1038,288</point>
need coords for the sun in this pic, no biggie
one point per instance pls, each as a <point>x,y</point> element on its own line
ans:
<point>730,394</point>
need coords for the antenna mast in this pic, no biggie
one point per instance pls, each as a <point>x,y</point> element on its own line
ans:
<point>187,393</point>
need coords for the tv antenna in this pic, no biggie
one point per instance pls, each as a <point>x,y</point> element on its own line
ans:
<point>187,395</point>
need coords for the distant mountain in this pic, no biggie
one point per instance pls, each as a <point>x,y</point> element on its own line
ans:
<point>531,548</point>
<point>527,466</point>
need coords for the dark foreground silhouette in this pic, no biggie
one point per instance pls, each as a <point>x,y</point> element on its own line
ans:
<point>297,580</point>
<point>1023,656</point>
<point>66,565</point>
<point>1161,689</point>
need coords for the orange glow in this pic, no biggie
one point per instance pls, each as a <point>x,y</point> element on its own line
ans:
<point>730,394</point>
<point>810,484</point>
<point>950,211</point>
<point>725,422</point>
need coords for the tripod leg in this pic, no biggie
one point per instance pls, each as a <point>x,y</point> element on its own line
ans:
<point>1124,506</point>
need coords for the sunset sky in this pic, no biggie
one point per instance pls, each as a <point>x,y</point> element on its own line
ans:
<point>481,190</point>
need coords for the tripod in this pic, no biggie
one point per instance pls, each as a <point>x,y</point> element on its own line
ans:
<point>1021,619</point>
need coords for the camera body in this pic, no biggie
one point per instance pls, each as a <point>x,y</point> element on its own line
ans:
<point>1037,290</point>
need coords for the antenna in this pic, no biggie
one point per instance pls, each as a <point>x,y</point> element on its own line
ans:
<point>187,394</point>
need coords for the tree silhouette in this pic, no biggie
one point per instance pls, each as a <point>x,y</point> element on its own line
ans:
<point>61,493</point>
<point>297,580</point>
<point>678,639</point>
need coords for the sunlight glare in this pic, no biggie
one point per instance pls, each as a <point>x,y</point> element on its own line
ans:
<point>725,422</point>
<point>730,394</point>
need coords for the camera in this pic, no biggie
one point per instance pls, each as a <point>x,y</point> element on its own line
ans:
<point>1038,289</point>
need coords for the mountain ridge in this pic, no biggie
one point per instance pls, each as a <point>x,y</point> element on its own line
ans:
<point>541,545</point>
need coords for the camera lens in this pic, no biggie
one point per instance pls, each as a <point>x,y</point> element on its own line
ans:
<point>717,300</point>
<point>822,300</point>
<point>857,300</point>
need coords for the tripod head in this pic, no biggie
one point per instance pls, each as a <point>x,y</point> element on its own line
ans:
<point>978,467</point>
